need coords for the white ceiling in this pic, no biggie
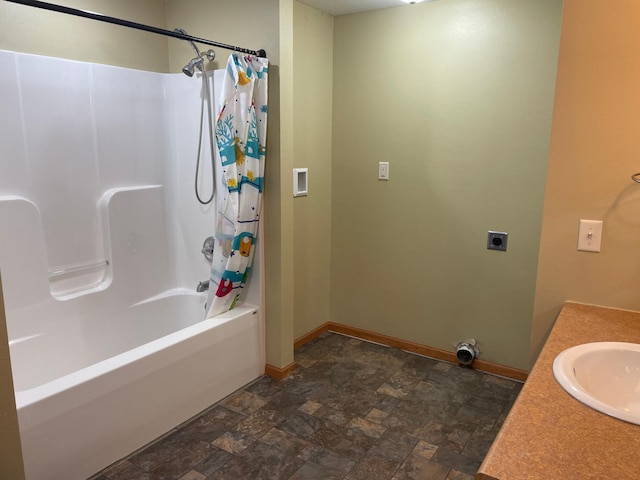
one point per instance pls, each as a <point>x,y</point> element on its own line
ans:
<point>343,7</point>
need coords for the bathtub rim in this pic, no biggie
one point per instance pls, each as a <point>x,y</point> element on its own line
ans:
<point>32,397</point>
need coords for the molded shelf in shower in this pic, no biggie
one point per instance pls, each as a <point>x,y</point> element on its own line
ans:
<point>75,280</point>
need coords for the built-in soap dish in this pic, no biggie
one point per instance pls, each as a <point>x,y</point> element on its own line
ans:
<point>73,281</point>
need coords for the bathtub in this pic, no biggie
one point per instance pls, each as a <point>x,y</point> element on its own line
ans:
<point>100,252</point>
<point>83,412</point>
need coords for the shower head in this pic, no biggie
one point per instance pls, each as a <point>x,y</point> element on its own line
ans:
<point>190,67</point>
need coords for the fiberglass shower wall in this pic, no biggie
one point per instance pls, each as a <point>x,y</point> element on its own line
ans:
<point>97,185</point>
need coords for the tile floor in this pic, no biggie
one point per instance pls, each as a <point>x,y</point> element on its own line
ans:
<point>352,410</point>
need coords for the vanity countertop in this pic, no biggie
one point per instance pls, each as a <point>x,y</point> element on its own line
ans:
<point>549,435</point>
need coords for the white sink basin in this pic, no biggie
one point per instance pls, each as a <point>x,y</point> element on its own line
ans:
<point>603,375</point>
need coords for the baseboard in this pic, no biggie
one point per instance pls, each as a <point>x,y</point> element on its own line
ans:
<point>279,373</point>
<point>300,341</point>
<point>437,353</point>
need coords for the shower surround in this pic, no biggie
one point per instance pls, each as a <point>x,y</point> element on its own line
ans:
<point>100,238</point>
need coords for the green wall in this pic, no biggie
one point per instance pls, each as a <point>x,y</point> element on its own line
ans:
<point>457,95</point>
<point>313,90</point>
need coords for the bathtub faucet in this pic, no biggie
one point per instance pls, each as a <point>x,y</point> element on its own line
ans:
<point>202,286</point>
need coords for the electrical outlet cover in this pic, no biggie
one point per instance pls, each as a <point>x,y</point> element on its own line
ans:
<point>497,240</point>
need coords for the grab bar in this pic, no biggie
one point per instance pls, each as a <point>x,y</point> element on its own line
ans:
<point>78,268</point>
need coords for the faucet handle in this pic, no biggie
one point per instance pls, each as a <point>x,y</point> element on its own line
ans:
<point>207,248</point>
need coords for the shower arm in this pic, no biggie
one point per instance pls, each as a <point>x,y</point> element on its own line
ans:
<point>138,26</point>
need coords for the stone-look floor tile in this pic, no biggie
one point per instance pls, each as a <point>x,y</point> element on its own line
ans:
<point>380,359</point>
<point>430,392</point>
<point>517,388</point>
<point>216,459</point>
<point>155,454</point>
<point>130,471</point>
<point>285,403</point>
<point>395,445</point>
<point>483,403</point>
<point>182,462</point>
<point>365,426</point>
<point>479,443</point>
<point>113,470</point>
<point>193,475</point>
<point>337,397</point>
<point>497,386</point>
<point>373,468</point>
<point>306,383</point>
<point>342,373</point>
<point>287,443</point>
<point>359,402</point>
<point>459,462</point>
<point>260,462</point>
<point>442,367</point>
<point>347,443</point>
<point>424,450</point>
<point>500,420</point>
<point>337,417</point>
<point>245,402</point>
<point>455,475</point>
<point>258,423</point>
<point>446,435</point>
<point>205,428</point>
<point>477,416</point>
<point>404,380</point>
<point>370,377</point>
<point>499,381</point>
<point>329,460</point>
<point>456,378</point>
<point>386,403</point>
<point>265,387</point>
<point>300,424</point>
<point>305,361</point>
<point>312,471</point>
<point>418,366</point>
<point>416,467</point>
<point>387,389</point>
<point>376,416</point>
<point>351,410</point>
<point>233,442</point>
<point>410,416</point>
<point>310,407</point>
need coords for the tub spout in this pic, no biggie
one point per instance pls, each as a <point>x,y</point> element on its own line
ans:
<point>202,286</point>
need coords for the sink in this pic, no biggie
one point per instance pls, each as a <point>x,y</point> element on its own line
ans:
<point>604,376</point>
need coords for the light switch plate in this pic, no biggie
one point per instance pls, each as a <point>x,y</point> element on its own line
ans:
<point>383,170</point>
<point>590,235</point>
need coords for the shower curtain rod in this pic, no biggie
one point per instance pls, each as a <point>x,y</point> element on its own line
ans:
<point>138,26</point>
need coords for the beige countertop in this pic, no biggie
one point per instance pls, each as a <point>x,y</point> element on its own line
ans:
<point>548,435</point>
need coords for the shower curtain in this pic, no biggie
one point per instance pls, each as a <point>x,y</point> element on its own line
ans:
<point>241,131</point>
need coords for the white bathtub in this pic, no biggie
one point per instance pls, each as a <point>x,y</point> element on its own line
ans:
<point>141,381</point>
<point>100,252</point>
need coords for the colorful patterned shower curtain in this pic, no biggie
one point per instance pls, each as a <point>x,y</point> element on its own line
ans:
<point>241,135</point>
